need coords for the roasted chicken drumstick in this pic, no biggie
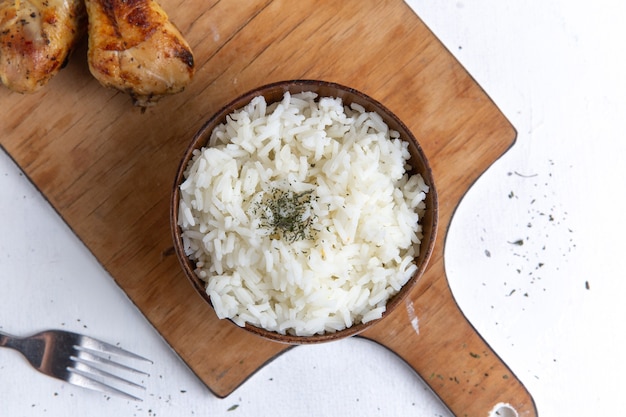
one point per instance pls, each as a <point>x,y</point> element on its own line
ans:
<point>133,47</point>
<point>36,38</point>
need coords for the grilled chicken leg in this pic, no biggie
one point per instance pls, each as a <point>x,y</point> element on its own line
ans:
<point>133,47</point>
<point>36,38</point>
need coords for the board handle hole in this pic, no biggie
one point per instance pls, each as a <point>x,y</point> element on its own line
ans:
<point>503,410</point>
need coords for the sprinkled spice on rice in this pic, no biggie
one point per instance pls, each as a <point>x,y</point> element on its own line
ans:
<point>300,215</point>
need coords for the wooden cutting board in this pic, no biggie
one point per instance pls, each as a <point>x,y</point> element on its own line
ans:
<point>108,169</point>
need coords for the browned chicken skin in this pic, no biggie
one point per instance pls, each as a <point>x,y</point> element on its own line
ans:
<point>36,38</point>
<point>133,47</point>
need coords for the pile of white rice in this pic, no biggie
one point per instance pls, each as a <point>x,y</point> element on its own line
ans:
<point>358,212</point>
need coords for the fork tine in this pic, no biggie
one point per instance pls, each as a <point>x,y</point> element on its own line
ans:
<point>95,345</point>
<point>86,366</point>
<point>87,356</point>
<point>83,379</point>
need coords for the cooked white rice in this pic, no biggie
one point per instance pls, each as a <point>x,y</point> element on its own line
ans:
<point>357,213</point>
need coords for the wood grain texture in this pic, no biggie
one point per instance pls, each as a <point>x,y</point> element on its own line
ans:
<point>108,169</point>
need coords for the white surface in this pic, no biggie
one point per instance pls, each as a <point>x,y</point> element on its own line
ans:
<point>556,69</point>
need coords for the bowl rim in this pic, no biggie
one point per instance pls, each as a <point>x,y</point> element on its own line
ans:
<point>200,139</point>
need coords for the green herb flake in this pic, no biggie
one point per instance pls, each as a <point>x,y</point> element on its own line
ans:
<point>233,407</point>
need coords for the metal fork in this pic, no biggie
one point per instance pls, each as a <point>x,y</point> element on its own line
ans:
<point>79,360</point>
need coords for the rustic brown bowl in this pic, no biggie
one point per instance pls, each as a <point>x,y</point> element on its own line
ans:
<point>272,93</point>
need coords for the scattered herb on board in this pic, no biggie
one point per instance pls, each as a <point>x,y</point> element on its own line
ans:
<point>287,214</point>
<point>233,407</point>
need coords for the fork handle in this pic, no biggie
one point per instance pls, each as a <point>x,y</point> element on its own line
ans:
<point>10,341</point>
<point>4,339</point>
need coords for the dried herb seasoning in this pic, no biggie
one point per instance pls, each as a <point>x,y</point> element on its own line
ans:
<point>287,214</point>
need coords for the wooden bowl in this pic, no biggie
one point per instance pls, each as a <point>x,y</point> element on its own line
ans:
<point>273,93</point>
